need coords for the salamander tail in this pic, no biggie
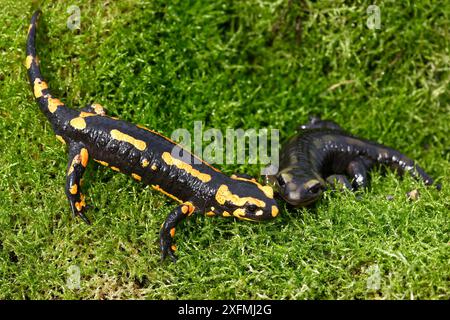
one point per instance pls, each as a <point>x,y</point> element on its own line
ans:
<point>47,102</point>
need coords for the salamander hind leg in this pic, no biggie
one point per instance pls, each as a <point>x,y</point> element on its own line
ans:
<point>417,173</point>
<point>168,229</point>
<point>401,163</point>
<point>78,159</point>
<point>95,108</point>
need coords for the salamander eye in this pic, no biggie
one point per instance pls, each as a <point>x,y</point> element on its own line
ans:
<point>281,181</point>
<point>252,207</point>
<point>314,188</point>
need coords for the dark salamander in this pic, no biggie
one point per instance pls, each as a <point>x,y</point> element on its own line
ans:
<point>323,153</point>
<point>148,157</point>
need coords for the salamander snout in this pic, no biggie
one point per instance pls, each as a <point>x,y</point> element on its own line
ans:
<point>246,199</point>
<point>253,212</point>
<point>298,191</point>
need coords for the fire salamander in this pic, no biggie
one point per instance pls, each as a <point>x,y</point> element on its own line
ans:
<point>148,157</point>
<point>323,153</point>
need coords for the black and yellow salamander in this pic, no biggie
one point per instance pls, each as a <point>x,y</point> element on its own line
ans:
<point>148,157</point>
<point>322,153</point>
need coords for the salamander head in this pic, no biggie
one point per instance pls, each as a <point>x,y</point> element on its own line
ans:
<point>298,190</point>
<point>246,199</point>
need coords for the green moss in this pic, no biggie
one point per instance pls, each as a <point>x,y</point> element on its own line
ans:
<point>237,65</point>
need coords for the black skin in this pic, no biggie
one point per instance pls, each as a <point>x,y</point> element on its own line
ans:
<point>147,156</point>
<point>323,154</point>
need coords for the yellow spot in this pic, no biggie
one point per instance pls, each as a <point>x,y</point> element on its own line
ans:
<point>235,177</point>
<point>187,208</point>
<point>84,157</point>
<point>29,28</point>
<point>274,211</point>
<point>136,176</point>
<point>267,190</point>
<point>78,206</point>
<point>144,163</point>
<point>190,206</point>
<point>173,247</point>
<point>226,214</point>
<point>115,168</point>
<point>223,194</point>
<point>78,123</point>
<point>239,213</point>
<point>61,139</point>
<point>28,61</point>
<point>154,167</point>
<point>53,104</point>
<point>84,114</point>
<point>186,167</point>
<point>102,162</point>
<point>76,160</point>
<point>210,213</point>
<point>98,109</point>
<point>158,188</point>
<point>172,232</point>
<point>81,204</point>
<point>73,189</point>
<point>39,86</point>
<point>138,144</point>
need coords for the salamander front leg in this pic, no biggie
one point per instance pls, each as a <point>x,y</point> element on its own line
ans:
<point>168,229</point>
<point>78,159</point>
<point>339,182</point>
<point>357,170</point>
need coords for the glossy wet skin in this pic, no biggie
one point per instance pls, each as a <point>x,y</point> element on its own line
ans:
<point>323,154</point>
<point>148,157</point>
<point>244,198</point>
